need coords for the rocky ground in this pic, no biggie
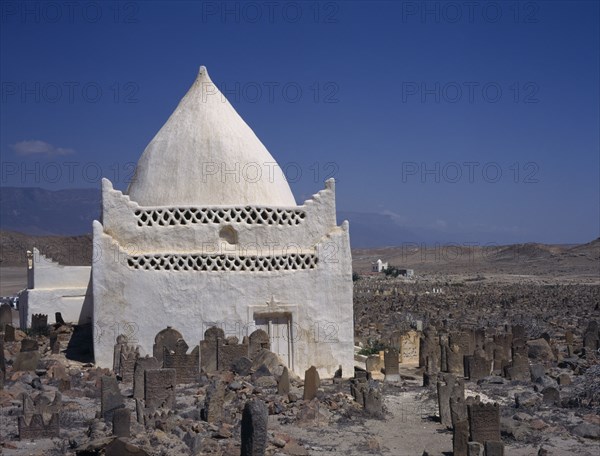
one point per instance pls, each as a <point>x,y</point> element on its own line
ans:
<point>546,301</point>
<point>332,423</point>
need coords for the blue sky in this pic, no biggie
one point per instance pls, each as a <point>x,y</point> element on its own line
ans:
<point>478,120</point>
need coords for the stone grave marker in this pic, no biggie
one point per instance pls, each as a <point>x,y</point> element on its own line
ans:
<point>484,422</point>
<point>494,448</point>
<point>186,366</point>
<point>122,422</point>
<point>460,438</point>
<point>283,385</point>
<point>159,388</point>
<point>111,398</point>
<point>213,403</point>
<point>258,341</point>
<point>39,324</point>
<point>213,338</point>
<point>5,316</point>
<point>141,365</point>
<point>311,383</point>
<point>254,428</point>
<point>9,333</point>
<point>391,360</point>
<point>168,338</point>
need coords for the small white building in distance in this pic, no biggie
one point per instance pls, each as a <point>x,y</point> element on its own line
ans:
<point>52,287</point>
<point>208,233</point>
<point>378,266</point>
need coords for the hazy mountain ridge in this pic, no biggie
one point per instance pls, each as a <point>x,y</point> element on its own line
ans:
<point>70,212</point>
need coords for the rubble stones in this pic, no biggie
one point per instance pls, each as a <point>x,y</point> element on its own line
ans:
<point>539,349</point>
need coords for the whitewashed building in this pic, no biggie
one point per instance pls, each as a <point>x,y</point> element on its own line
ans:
<point>378,266</point>
<point>208,233</point>
<point>52,287</point>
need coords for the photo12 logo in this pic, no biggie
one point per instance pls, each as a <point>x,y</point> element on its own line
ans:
<point>270,12</point>
<point>69,92</point>
<point>469,172</point>
<point>272,91</point>
<point>469,12</point>
<point>68,12</point>
<point>28,172</point>
<point>470,92</point>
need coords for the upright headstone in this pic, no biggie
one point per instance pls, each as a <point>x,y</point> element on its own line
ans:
<point>484,422</point>
<point>372,401</point>
<point>494,448</point>
<point>213,402</point>
<point>122,422</point>
<point>283,385</point>
<point>39,324</point>
<point>478,366</point>
<point>111,398</point>
<point>258,341</point>
<point>29,356</point>
<point>454,360</point>
<point>230,351</point>
<point>120,447</point>
<point>458,410</point>
<point>391,360</point>
<point>5,316</point>
<point>129,355</point>
<point>9,333</point>
<point>2,362</point>
<point>29,345</point>
<point>168,338</point>
<point>448,387</point>
<point>311,383</point>
<point>54,343</point>
<point>474,449</point>
<point>59,318</point>
<point>159,388</point>
<point>213,338</point>
<point>254,428</point>
<point>186,366</point>
<point>141,365</point>
<point>569,342</point>
<point>38,428</point>
<point>460,438</point>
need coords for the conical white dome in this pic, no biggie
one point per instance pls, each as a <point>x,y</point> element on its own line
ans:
<point>205,155</point>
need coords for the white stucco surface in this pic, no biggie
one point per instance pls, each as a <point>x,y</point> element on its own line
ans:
<point>177,251</point>
<point>205,154</point>
<point>52,288</point>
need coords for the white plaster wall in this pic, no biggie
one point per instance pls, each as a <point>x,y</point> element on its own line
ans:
<point>142,303</point>
<point>56,288</point>
<point>48,274</point>
<point>119,221</point>
<point>68,301</point>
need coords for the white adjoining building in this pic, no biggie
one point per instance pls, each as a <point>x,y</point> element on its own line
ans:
<point>378,266</point>
<point>52,287</point>
<point>208,233</point>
